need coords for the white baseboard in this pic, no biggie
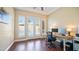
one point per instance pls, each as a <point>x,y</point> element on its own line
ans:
<point>26,39</point>
<point>20,40</point>
<point>9,46</point>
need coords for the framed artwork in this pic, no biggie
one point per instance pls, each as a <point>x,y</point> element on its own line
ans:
<point>0,18</point>
<point>5,19</point>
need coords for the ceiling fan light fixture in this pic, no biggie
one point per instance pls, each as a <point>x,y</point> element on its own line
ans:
<point>42,8</point>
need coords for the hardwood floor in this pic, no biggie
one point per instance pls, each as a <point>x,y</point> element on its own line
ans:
<point>32,45</point>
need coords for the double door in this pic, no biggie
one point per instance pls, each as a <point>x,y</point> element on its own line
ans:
<point>29,27</point>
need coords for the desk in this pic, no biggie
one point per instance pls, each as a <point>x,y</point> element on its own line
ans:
<point>64,38</point>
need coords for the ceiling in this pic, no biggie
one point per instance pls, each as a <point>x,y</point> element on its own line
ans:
<point>45,11</point>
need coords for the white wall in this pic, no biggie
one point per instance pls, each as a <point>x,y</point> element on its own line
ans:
<point>64,17</point>
<point>7,30</point>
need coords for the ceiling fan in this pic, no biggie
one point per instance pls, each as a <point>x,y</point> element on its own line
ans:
<point>42,8</point>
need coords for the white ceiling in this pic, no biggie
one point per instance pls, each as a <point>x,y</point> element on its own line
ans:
<point>46,11</point>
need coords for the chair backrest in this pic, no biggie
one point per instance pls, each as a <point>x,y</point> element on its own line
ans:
<point>50,37</point>
<point>49,33</point>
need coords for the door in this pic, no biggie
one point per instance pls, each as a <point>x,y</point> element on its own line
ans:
<point>30,27</point>
<point>34,27</point>
<point>21,27</point>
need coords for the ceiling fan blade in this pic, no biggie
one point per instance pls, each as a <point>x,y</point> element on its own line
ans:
<point>42,8</point>
<point>34,7</point>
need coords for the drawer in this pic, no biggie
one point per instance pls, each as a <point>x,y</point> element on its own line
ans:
<point>76,46</point>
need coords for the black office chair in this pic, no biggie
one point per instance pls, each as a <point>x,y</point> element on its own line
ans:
<point>51,40</point>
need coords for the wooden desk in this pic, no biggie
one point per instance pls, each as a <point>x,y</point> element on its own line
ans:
<point>65,38</point>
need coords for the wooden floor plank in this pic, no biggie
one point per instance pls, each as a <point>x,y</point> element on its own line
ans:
<point>33,45</point>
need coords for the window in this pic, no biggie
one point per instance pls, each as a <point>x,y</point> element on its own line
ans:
<point>37,26</point>
<point>34,26</point>
<point>30,26</point>
<point>21,27</point>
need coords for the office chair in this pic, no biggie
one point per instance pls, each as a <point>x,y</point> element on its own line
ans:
<point>51,40</point>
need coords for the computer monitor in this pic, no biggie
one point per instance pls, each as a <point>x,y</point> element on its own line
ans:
<point>55,30</point>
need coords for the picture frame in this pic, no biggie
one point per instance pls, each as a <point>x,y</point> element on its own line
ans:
<point>5,18</point>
